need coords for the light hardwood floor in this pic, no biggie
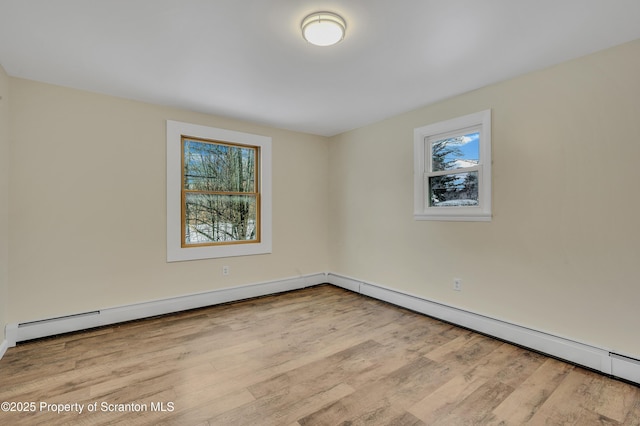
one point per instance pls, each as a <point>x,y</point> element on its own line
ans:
<point>318,356</point>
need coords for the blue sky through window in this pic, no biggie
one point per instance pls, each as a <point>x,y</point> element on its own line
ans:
<point>456,152</point>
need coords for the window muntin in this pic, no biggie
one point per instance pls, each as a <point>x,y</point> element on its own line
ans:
<point>452,169</point>
<point>219,193</point>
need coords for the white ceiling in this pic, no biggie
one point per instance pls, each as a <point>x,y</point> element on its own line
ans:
<point>246,59</point>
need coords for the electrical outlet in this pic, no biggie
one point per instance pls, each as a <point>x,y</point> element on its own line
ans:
<point>457,284</point>
<point>225,270</point>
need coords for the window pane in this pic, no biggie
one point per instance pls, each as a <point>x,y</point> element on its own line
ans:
<point>460,189</point>
<point>455,153</point>
<point>220,218</point>
<point>217,167</point>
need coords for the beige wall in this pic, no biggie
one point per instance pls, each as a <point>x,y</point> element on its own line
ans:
<point>87,205</point>
<point>4,199</point>
<point>562,253</point>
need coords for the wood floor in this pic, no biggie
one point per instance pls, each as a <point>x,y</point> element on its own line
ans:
<point>318,356</point>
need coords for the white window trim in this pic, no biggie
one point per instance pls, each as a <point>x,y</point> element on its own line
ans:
<point>175,251</point>
<point>422,210</point>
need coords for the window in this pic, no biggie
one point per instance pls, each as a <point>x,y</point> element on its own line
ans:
<point>452,168</point>
<point>218,192</point>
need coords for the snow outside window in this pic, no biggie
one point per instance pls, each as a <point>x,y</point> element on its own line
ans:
<point>452,164</point>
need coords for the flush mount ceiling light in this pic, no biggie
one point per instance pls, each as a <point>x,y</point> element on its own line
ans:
<point>323,28</point>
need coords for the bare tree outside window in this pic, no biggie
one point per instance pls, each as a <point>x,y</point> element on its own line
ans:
<point>220,198</point>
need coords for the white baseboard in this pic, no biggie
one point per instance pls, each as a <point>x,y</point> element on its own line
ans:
<point>586,355</point>
<point>82,321</point>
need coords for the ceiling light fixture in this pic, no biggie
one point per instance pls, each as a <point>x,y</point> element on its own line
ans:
<point>323,28</point>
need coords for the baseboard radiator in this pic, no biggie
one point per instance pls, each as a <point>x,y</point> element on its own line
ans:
<point>605,361</point>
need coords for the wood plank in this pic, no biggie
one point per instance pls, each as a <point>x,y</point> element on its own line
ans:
<point>524,402</point>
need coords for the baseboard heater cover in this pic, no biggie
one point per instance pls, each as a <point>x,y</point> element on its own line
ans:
<point>57,319</point>
<point>625,367</point>
<point>52,326</point>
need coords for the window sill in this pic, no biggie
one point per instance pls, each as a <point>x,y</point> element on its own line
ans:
<point>453,217</point>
